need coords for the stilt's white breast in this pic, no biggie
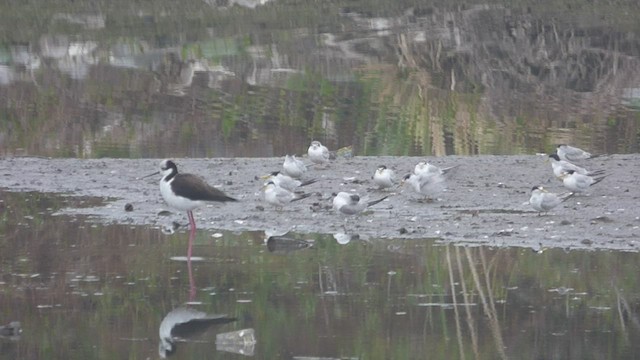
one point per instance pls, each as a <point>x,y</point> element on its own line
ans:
<point>175,201</point>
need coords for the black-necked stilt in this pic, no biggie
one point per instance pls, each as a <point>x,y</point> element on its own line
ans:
<point>186,192</point>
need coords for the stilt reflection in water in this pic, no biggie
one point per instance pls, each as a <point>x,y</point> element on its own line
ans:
<point>185,323</point>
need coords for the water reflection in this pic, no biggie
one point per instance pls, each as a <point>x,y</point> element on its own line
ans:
<point>215,80</point>
<point>192,283</point>
<point>185,323</point>
<point>286,244</point>
<point>100,291</point>
<point>11,331</point>
<point>344,238</point>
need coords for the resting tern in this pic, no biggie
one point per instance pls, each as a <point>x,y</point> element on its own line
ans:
<point>293,167</point>
<point>425,167</point>
<point>384,178</point>
<point>351,204</point>
<point>578,182</point>
<point>318,153</point>
<point>562,166</point>
<point>426,183</point>
<point>287,182</point>
<point>570,153</point>
<point>280,197</point>
<point>542,200</point>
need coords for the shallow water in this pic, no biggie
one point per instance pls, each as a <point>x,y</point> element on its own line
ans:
<point>82,290</point>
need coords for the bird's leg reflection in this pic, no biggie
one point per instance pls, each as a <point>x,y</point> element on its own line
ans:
<point>192,283</point>
<point>192,232</point>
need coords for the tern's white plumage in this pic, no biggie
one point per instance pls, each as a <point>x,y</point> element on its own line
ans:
<point>287,182</point>
<point>571,153</point>
<point>384,177</point>
<point>560,167</point>
<point>424,167</point>
<point>280,197</point>
<point>426,183</point>
<point>579,183</point>
<point>351,204</point>
<point>293,167</point>
<point>542,200</point>
<point>318,153</point>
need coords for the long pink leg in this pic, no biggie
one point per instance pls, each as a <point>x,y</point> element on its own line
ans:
<point>192,222</point>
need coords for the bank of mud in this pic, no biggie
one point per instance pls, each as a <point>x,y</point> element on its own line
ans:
<point>485,203</point>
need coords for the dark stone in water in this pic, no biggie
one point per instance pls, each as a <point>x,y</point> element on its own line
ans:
<point>283,244</point>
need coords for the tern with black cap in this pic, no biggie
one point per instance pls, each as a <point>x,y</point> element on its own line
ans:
<point>542,200</point>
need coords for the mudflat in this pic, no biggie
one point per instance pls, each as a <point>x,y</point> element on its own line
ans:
<point>486,201</point>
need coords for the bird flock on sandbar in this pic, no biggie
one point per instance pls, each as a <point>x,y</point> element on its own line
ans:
<point>575,178</point>
<point>186,192</point>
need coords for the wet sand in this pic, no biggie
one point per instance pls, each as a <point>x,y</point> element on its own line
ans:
<point>486,202</point>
